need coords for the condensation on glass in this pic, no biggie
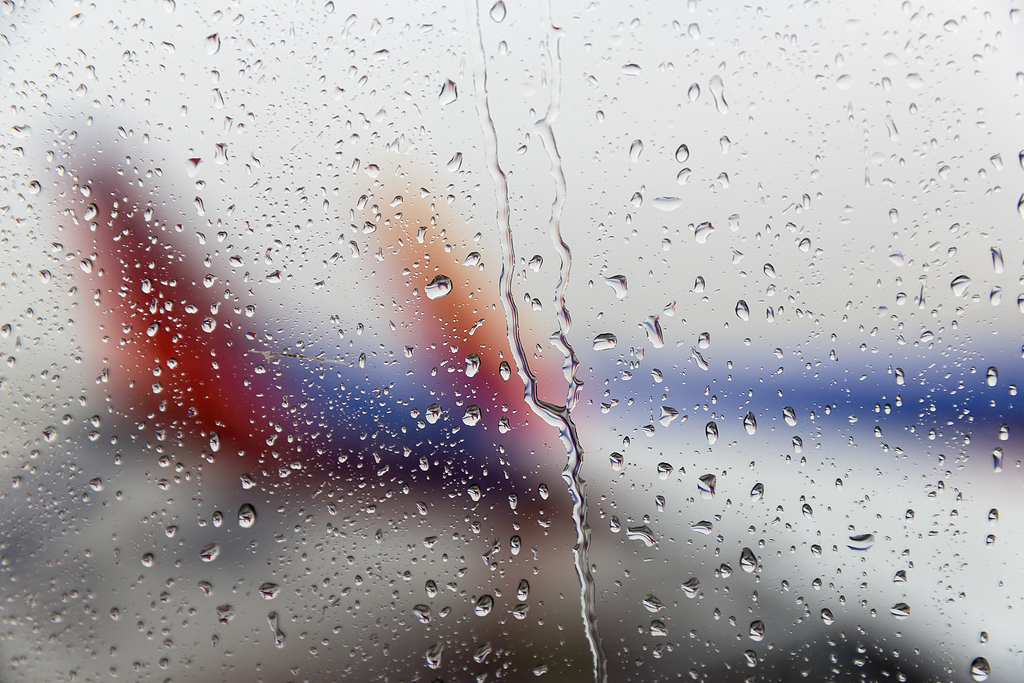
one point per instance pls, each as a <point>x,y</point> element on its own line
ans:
<point>496,340</point>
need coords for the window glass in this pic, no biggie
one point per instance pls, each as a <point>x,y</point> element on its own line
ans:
<point>416,341</point>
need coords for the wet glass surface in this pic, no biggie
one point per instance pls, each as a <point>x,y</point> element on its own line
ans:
<point>479,341</point>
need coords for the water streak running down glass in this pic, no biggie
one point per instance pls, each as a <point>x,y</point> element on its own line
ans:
<point>502,340</point>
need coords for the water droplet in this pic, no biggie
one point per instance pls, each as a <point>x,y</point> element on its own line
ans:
<point>520,610</point>
<point>750,423</point>
<point>209,552</point>
<point>694,92</point>
<point>757,492</point>
<point>91,212</point>
<point>543,491</point>
<point>900,610</point>
<point>682,153</point>
<point>218,518</point>
<point>980,669</point>
<point>711,432</point>
<point>658,628</point>
<point>806,509</point>
<point>992,376</point>
<point>993,516</point>
<point>756,631</point>
<point>652,326</point>
<point>652,604</point>
<point>605,341</point>
<point>246,516</point>
<point>804,244</point>
<point>668,414</point>
<point>718,93</point>
<point>523,591</point>
<point>269,591</point>
<point>742,311</point>
<point>826,616</point>
<point>472,365</point>
<point>691,587</point>
<point>861,542</point>
<point>214,441</point>
<point>148,560</point>
<point>959,285</point>
<point>901,377</point>
<point>618,285</point>
<point>616,460</point>
<point>422,613</point>
<point>789,415</point>
<point>208,325</point>
<point>703,232</point>
<point>483,606</point>
<point>699,285</point>
<point>212,44</point>
<point>278,633</point>
<point>439,287</point>
<point>667,203</point>
<point>449,93</point>
<point>1004,432</point>
<point>769,270</point>
<point>498,11</point>
<point>641,533</point>
<point>706,485</point>
<point>472,415</point>
<point>475,493</point>
<point>455,163</point>
<point>748,562</point>
<point>635,150</point>
<point>703,527</point>
<point>505,370</point>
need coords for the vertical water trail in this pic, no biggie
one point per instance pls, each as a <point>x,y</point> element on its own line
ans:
<point>557,416</point>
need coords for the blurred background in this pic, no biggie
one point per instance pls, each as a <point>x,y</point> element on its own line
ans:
<point>498,340</point>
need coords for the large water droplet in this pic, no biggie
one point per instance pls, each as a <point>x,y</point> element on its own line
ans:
<point>483,605</point>
<point>449,92</point>
<point>682,153</point>
<point>960,284</point>
<point>212,44</point>
<point>900,610</point>
<point>748,562</point>
<point>472,415</point>
<point>278,633</point>
<point>641,533</point>
<point>691,587</point>
<point>992,376</point>
<point>210,552</point>
<point>789,415</point>
<point>618,285</point>
<point>750,423</point>
<point>711,431</point>
<point>434,655</point>
<point>269,591</point>
<point>635,150</point>
<point>472,365</point>
<point>861,542</point>
<point>422,613</point>
<point>756,631</point>
<point>440,286</point>
<point>742,310</point>
<point>703,232</point>
<point>605,341</point>
<point>498,11</point>
<point>826,616</point>
<point>505,370</point>
<point>652,604</point>
<point>980,669</point>
<point>706,485</point>
<point>757,492</point>
<point>246,516</point>
<point>693,93</point>
<point>718,93</point>
<point>652,326</point>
